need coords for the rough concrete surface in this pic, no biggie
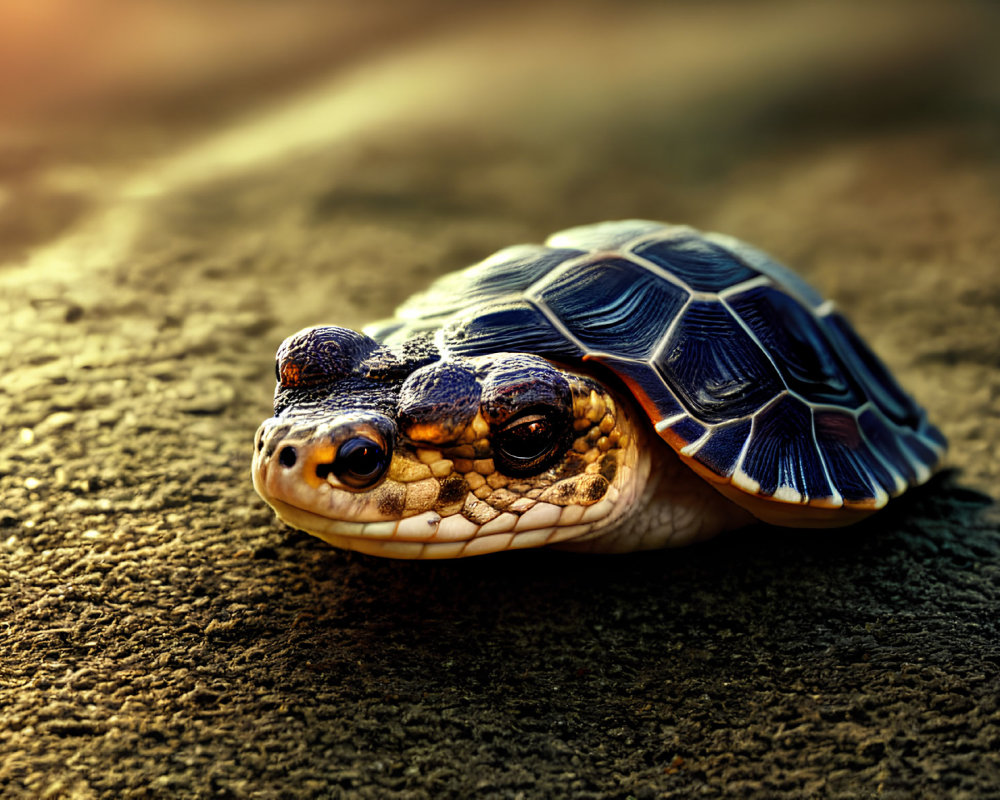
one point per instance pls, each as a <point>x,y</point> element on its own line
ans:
<point>165,222</point>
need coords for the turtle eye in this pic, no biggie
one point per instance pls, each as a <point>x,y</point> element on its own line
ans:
<point>527,444</point>
<point>360,462</point>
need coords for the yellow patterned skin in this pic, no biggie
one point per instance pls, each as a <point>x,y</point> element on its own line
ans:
<point>443,496</point>
<point>412,455</point>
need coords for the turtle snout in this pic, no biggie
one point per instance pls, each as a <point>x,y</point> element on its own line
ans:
<point>350,454</point>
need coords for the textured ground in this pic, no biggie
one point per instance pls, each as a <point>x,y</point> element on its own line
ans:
<point>163,227</point>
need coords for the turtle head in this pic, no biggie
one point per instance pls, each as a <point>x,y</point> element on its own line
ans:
<point>410,455</point>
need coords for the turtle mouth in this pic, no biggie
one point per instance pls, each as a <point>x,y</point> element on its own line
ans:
<point>427,534</point>
<point>423,536</point>
<point>454,500</point>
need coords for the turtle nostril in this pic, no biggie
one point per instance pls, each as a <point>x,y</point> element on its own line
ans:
<point>287,457</point>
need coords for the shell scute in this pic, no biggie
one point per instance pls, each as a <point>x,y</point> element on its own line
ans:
<point>714,367</point>
<point>613,304</point>
<point>610,235</point>
<point>646,385</point>
<point>880,385</point>
<point>799,347</point>
<point>887,443</point>
<point>720,453</point>
<point>782,453</point>
<point>918,448</point>
<point>765,265</point>
<point>933,436</point>
<point>856,471</point>
<point>506,273</point>
<point>688,430</point>
<point>703,266</point>
<point>516,327</point>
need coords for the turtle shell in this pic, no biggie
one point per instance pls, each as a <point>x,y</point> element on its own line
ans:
<point>757,382</point>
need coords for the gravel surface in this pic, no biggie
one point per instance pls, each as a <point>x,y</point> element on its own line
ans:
<point>164,636</point>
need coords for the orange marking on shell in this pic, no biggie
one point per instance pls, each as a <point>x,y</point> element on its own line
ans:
<point>637,391</point>
<point>818,512</point>
<point>675,441</point>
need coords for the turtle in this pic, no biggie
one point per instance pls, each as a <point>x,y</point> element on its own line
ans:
<point>627,385</point>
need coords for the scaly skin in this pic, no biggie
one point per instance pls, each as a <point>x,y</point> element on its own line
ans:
<point>612,490</point>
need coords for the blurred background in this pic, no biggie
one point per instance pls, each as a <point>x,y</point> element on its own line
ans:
<point>92,91</point>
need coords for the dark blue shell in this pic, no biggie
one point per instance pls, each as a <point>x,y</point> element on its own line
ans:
<point>742,366</point>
